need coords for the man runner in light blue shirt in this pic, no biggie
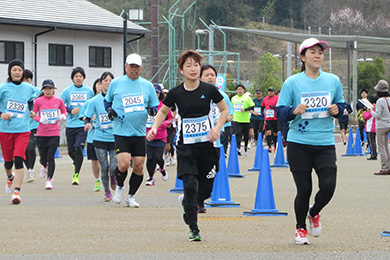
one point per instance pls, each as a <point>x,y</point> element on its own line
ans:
<point>129,100</point>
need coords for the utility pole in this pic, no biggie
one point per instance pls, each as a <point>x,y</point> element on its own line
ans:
<point>155,39</point>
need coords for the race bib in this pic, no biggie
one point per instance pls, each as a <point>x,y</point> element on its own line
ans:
<point>257,110</point>
<point>196,130</point>
<point>50,114</point>
<point>133,102</point>
<point>150,121</point>
<point>237,107</point>
<point>16,108</point>
<point>105,122</point>
<point>78,99</point>
<point>270,113</point>
<point>318,103</point>
<point>216,114</point>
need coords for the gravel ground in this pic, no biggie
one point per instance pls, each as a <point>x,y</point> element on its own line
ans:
<point>73,222</point>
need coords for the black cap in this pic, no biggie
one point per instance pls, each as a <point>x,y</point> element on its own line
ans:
<point>259,91</point>
<point>48,83</point>
<point>271,89</point>
<point>239,85</point>
<point>157,87</point>
<point>15,62</point>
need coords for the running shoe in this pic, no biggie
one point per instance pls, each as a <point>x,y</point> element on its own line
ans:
<point>194,236</point>
<point>107,196</point>
<point>98,185</point>
<point>30,175</point>
<point>173,160</point>
<point>301,237</point>
<point>43,172</point>
<point>75,180</point>
<point>315,225</point>
<point>15,199</point>
<point>150,182</point>
<point>113,182</point>
<point>118,194</point>
<point>49,184</point>
<point>202,209</point>
<point>165,177</point>
<point>181,197</point>
<point>130,202</point>
<point>9,186</point>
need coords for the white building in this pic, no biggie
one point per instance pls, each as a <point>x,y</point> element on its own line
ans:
<point>53,37</point>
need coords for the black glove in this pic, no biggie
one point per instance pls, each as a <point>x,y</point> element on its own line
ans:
<point>111,114</point>
<point>152,111</point>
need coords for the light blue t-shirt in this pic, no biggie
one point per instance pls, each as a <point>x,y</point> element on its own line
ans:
<point>34,124</point>
<point>14,99</point>
<point>129,99</point>
<point>231,112</point>
<point>317,128</point>
<point>91,132</point>
<point>75,97</point>
<point>104,126</point>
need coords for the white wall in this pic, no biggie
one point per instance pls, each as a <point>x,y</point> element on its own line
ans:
<point>81,40</point>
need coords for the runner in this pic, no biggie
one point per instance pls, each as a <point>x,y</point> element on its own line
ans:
<point>129,99</point>
<point>103,140</point>
<point>257,117</point>
<point>241,119</point>
<point>91,153</point>
<point>31,154</point>
<point>74,98</point>
<point>155,148</point>
<point>271,120</point>
<point>309,100</point>
<point>196,155</point>
<point>208,74</point>
<point>47,108</point>
<point>16,105</point>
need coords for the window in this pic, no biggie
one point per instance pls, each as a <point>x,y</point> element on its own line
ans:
<point>60,55</point>
<point>11,50</point>
<point>100,57</point>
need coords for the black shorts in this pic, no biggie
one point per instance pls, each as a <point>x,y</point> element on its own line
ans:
<point>135,145</point>
<point>202,162</point>
<point>91,154</point>
<point>46,141</point>
<point>302,157</point>
<point>75,137</point>
<point>272,125</point>
<point>343,125</point>
<point>109,146</point>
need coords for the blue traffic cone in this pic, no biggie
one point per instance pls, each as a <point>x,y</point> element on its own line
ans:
<point>178,186</point>
<point>265,201</point>
<point>259,149</point>
<point>84,152</point>
<point>350,150</point>
<point>279,155</point>
<point>365,135</point>
<point>57,154</point>
<point>220,197</point>
<point>233,169</point>
<point>357,148</point>
<point>385,233</point>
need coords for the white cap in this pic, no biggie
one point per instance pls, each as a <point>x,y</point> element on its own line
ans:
<point>134,59</point>
<point>310,43</point>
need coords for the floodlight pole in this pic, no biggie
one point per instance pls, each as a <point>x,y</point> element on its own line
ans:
<point>125,17</point>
